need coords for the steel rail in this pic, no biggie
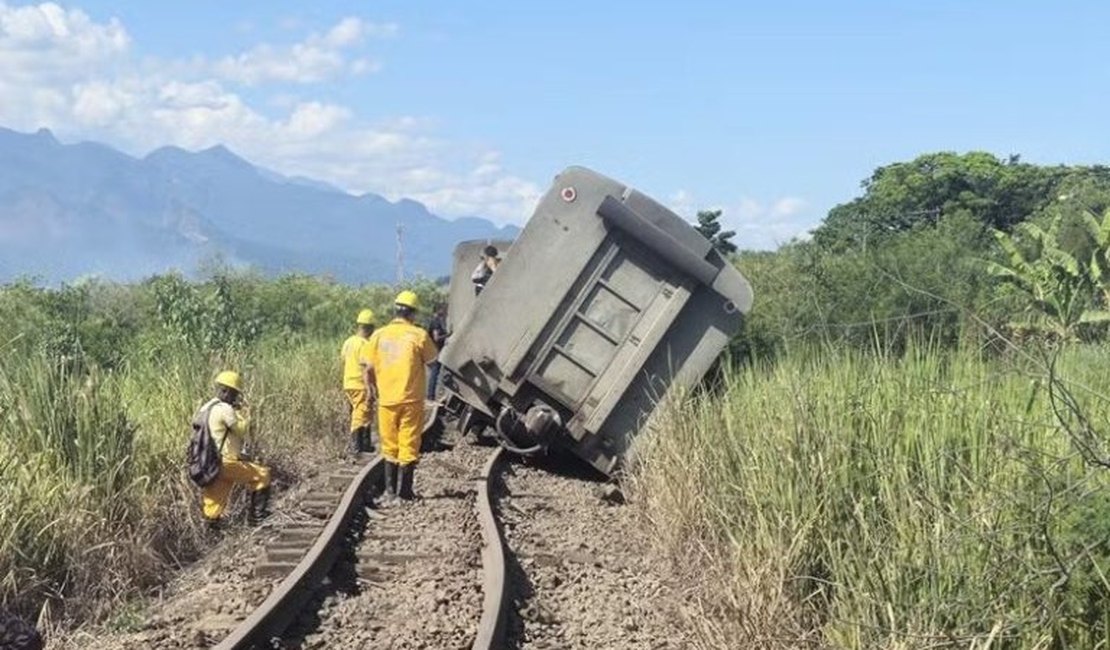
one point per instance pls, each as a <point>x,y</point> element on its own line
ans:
<point>491,627</point>
<point>280,608</point>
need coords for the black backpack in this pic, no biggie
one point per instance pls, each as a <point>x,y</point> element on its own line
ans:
<point>203,457</point>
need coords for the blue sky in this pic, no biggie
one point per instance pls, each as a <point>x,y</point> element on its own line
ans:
<point>773,112</point>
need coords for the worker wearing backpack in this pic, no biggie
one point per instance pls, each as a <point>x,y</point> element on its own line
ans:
<point>228,424</point>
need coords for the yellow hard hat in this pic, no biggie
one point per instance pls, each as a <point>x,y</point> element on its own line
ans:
<point>230,379</point>
<point>408,299</point>
<point>365,317</point>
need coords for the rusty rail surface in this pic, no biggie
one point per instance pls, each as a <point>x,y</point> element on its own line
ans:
<point>491,628</point>
<point>281,606</point>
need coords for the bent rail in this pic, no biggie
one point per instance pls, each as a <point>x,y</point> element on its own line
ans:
<point>491,628</point>
<point>278,610</point>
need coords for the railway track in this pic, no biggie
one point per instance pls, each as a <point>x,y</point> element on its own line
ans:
<point>426,574</point>
<point>576,578</point>
<point>497,553</point>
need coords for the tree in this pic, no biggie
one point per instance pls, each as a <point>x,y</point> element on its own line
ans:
<point>709,226</point>
<point>1064,289</point>
<point>903,196</point>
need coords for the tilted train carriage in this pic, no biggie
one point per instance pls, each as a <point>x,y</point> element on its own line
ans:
<point>606,304</point>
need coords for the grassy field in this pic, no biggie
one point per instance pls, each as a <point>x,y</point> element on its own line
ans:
<point>851,500</point>
<point>98,384</point>
<point>95,505</point>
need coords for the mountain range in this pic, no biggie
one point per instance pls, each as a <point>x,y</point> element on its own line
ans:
<point>69,210</point>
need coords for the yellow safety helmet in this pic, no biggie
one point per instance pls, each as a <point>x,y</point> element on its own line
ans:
<point>408,299</point>
<point>230,379</point>
<point>365,317</point>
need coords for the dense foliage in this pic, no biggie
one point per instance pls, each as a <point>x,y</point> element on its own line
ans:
<point>912,255</point>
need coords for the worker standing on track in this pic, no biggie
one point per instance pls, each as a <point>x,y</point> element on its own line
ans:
<point>394,359</point>
<point>229,424</point>
<point>354,387</point>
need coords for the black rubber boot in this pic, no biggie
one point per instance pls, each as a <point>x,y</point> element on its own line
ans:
<point>354,445</point>
<point>212,528</point>
<point>259,506</point>
<point>366,442</point>
<point>389,494</point>
<point>17,634</point>
<point>404,482</point>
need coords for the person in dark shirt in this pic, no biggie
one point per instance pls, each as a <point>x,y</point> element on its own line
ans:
<point>437,330</point>
<point>484,271</point>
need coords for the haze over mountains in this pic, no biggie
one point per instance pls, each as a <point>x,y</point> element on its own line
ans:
<point>68,210</point>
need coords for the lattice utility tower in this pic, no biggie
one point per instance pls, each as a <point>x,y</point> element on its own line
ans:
<point>400,253</point>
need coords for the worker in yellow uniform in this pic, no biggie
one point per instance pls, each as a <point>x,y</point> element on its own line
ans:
<point>394,359</point>
<point>353,385</point>
<point>228,424</point>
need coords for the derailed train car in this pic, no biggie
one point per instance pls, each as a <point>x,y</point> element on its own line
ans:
<point>607,304</point>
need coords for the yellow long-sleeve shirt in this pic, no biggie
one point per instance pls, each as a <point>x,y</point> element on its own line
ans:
<point>352,370</point>
<point>226,422</point>
<point>398,353</point>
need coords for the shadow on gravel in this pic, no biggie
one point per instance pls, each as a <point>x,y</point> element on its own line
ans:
<point>448,494</point>
<point>563,464</point>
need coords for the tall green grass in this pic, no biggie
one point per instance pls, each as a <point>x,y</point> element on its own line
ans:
<point>98,384</point>
<point>94,502</point>
<point>853,500</point>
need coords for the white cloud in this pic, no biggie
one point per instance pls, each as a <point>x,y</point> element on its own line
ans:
<point>62,70</point>
<point>69,35</point>
<point>318,58</point>
<point>98,103</point>
<point>787,207</point>
<point>682,202</point>
<point>758,224</point>
<point>314,118</point>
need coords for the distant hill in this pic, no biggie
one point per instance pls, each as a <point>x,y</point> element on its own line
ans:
<point>68,210</point>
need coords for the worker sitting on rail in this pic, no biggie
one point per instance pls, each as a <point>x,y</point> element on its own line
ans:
<point>485,269</point>
<point>228,422</point>
<point>353,386</point>
<point>394,359</point>
<point>437,330</point>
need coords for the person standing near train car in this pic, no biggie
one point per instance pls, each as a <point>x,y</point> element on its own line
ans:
<point>229,424</point>
<point>485,269</point>
<point>354,388</point>
<point>394,360</point>
<point>437,330</point>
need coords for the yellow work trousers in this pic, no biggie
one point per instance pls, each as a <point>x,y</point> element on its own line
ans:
<point>400,428</point>
<point>232,472</point>
<point>360,407</point>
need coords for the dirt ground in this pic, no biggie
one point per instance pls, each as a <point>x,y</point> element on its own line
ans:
<point>206,599</point>
<point>585,574</point>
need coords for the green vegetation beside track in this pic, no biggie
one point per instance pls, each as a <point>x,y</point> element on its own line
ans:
<point>864,500</point>
<point>98,383</point>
